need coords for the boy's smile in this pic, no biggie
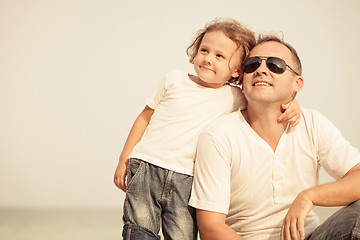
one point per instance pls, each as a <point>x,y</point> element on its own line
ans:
<point>217,60</point>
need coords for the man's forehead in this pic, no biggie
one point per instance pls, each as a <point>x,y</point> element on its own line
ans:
<point>271,49</point>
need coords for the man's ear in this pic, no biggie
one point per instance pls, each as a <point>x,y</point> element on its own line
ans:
<point>299,83</point>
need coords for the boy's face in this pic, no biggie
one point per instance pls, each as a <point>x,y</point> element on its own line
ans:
<point>217,60</point>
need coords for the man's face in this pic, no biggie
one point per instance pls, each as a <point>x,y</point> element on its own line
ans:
<point>265,86</point>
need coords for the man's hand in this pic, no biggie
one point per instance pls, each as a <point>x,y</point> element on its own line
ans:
<point>294,221</point>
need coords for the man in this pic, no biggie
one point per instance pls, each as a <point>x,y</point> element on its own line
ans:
<point>256,178</point>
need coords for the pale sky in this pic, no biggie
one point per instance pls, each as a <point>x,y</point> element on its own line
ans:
<point>75,74</point>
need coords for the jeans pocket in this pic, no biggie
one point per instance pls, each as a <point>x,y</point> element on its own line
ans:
<point>132,170</point>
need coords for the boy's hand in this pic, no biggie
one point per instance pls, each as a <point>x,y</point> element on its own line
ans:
<point>120,175</point>
<point>291,113</point>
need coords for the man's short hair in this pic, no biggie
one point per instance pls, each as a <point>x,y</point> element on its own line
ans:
<point>273,38</point>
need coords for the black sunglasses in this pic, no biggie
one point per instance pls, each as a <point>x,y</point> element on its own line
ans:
<point>274,64</point>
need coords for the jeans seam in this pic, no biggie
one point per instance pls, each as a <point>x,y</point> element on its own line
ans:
<point>356,229</point>
<point>168,179</point>
<point>128,187</point>
<point>345,237</point>
<point>128,233</point>
<point>132,226</point>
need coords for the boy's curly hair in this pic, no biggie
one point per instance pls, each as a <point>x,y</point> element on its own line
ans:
<point>242,36</point>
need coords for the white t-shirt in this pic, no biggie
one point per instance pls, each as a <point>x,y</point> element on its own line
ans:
<point>237,173</point>
<point>182,109</point>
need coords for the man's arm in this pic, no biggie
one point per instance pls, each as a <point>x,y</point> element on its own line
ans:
<point>341,160</point>
<point>211,189</point>
<point>339,193</point>
<point>212,226</point>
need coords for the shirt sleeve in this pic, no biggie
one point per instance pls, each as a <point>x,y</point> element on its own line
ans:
<point>211,186</point>
<point>158,94</point>
<point>335,154</point>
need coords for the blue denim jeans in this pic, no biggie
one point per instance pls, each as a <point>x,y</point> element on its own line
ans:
<point>157,197</point>
<point>344,224</point>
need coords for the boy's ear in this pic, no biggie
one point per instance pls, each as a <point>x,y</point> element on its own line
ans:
<point>235,74</point>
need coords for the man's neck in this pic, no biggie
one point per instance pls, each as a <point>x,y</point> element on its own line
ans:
<point>264,121</point>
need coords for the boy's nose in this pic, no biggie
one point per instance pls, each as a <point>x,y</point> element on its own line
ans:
<point>208,59</point>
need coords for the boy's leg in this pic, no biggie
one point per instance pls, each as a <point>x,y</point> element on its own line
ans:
<point>134,232</point>
<point>343,224</point>
<point>142,211</point>
<point>179,219</point>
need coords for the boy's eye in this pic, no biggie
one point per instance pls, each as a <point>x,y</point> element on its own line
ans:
<point>220,56</point>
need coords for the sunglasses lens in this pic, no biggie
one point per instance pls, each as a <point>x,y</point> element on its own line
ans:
<point>251,64</point>
<point>276,65</point>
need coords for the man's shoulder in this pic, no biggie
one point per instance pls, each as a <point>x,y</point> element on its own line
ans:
<point>314,123</point>
<point>309,111</point>
<point>311,115</point>
<point>225,123</point>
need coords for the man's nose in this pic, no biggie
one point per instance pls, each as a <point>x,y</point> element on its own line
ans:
<point>262,69</point>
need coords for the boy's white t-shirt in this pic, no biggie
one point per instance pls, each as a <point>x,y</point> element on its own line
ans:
<point>182,109</point>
